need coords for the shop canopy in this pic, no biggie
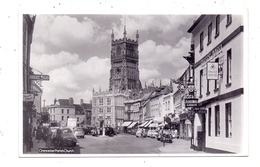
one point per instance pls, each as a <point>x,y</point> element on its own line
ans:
<point>142,125</point>
<point>126,123</point>
<point>132,124</point>
<point>146,125</point>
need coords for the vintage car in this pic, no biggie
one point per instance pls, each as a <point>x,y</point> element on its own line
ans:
<point>78,132</point>
<point>139,131</point>
<point>166,136</point>
<point>65,138</point>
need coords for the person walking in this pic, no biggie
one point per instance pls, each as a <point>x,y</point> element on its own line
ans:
<point>142,133</point>
<point>49,138</point>
<point>38,133</point>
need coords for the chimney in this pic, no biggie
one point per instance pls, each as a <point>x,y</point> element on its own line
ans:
<point>71,102</point>
<point>81,101</point>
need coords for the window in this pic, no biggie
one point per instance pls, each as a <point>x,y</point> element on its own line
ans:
<point>62,118</point>
<point>100,101</point>
<point>68,117</point>
<point>201,81</point>
<point>77,119</point>
<point>94,102</point>
<point>216,81</point>
<point>100,110</point>
<point>229,59</point>
<point>108,101</point>
<point>217,121</point>
<point>201,41</point>
<point>209,122</point>
<point>108,109</point>
<point>62,111</point>
<point>229,20</point>
<point>217,26</point>
<point>68,111</point>
<point>208,81</point>
<point>228,120</point>
<point>209,33</point>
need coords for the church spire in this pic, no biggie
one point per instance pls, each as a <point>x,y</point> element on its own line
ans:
<point>112,35</point>
<point>124,32</point>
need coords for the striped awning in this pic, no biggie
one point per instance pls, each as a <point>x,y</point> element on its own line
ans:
<point>132,124</point>
<point>127,123</point>
<point>146,125</point>
<point>142,125</point>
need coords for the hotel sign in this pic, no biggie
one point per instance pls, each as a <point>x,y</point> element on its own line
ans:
<point>212,70</point>
<point>200,110</point>
<point>39,77</point>
<point>28,97</point>
<point>191,102</point>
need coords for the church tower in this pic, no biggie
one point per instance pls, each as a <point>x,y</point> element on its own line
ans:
<point>124,73</point>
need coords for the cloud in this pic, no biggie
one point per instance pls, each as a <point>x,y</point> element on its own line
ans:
<point>152,55</point>
<point>67,32</point>
<point>46,63</point>
<point>77,79</point>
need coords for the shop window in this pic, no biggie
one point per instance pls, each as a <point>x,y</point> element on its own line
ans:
<point>209,122</point>
<point>201,82</point>
<point>217,121</point>
<point>228,120</point>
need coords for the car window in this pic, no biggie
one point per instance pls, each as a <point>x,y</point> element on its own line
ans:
<point>66,131</point>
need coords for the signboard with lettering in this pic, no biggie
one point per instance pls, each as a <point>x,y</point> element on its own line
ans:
<point>28,97</point>
<point>199,108</point>
<point>191,102</point>
<point>212,70</point>
<point>39,77</point>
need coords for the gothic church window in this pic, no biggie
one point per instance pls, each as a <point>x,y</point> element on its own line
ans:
<point>118,50</point>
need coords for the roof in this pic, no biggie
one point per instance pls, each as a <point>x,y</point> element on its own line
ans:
<point>196,23</point>
<point>64,102</point>
<point>78,109</point>
<point>87,106</point>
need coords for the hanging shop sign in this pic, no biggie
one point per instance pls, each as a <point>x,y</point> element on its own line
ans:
<point>182,87</point>
<point>200,110</point>
<point>191,102</point>
<point>39,77</point>
<point>212,70</point>
<point>28,97</point>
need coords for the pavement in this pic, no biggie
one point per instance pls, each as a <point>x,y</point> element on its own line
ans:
<point>178,146</point>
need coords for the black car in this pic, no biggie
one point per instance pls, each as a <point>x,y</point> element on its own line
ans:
<point>65,138</point>
<point>109,131</point>
<point>87,130</point>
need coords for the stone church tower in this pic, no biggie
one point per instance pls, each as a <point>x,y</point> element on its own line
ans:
<point>124,73</point>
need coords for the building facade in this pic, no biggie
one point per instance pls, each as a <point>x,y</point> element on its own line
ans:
<point>28,95</point>
<point>218,40</point>
<point>62,110</point>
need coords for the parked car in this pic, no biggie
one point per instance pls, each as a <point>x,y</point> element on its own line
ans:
<point>78,132</point>
<point>166,136</point>
<point>153,133</point>
<point>139,131</point>
<point>88,129</point>
<point>65,138</point>
<point>109,131</point>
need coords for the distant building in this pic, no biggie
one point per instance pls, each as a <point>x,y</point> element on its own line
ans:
<point>80,115</point>
<point>87,107</point>
<point>61,110</point>
<point>108,106</point>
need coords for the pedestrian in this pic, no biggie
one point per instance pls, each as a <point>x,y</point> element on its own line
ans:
<point>49,138</point>
<point>38,133</point>
<point>142,133</point>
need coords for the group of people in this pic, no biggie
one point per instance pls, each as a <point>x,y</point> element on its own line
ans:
<point>45,133</point>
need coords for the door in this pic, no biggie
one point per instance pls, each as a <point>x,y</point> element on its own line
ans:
<point>201,135</point>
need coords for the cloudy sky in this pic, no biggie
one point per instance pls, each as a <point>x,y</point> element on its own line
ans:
<point>75,50</point>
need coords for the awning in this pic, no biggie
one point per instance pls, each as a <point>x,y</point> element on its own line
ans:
<point>127,123</point>
<point>153,125</point>
<point>146,125</point>
<point>143,124</point>
<point>132,124</point>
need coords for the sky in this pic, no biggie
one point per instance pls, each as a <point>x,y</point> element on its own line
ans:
<point>74,50</point>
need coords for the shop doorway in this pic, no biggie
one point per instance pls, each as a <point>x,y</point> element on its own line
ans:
<point>201,135</point>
